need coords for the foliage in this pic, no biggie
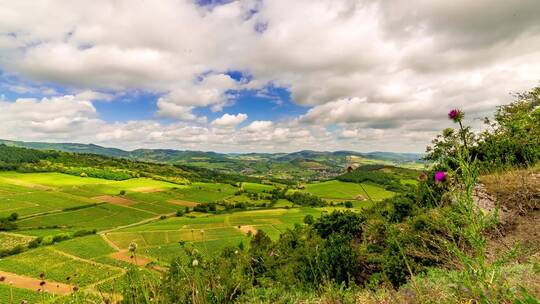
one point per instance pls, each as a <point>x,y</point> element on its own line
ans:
<point>97,166</point>
<point>512,138</point>
<point>388,176</point>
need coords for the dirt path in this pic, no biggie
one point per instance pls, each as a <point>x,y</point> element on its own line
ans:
<point>145,221</point>
<point>125,256</point>
<point>74,257</point>
<point>111,243</point>
<point>25,282</point>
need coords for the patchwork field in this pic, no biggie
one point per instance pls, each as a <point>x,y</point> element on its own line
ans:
<point>160,240</point>
<point>56,208</point>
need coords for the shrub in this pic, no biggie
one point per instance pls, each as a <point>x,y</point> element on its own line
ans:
<point>344,223</point>
<point>309,219</point>
<point>35,242</point>
<point>13,217</point>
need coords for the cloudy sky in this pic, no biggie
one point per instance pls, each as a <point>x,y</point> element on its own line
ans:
<point>259,75</point>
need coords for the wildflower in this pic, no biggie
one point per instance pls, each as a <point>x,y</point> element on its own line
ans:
<point>456,115</point>
<point>195,263</point>
<point>423,177</point>
<point>440,176</point>
<point>271,253</point>
<point>236,252</point>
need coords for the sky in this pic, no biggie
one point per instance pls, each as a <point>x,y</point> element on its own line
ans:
<point>259,75</point>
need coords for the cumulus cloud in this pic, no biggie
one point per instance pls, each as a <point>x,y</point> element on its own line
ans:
<point>375,68</point>
<point>228,120</point>
<point>58,117</point>
<point>259,126</point>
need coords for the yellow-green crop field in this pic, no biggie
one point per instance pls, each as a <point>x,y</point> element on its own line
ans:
<point>55,207</point>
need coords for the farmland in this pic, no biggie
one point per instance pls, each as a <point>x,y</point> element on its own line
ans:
<point>83,226</point>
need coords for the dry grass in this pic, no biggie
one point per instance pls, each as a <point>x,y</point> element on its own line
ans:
<point>516,191</point>
<point>435,288</point>
<point>517,194</point>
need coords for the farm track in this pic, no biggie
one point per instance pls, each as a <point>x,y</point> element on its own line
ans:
<point>40,214</point>
<point>109,242</point>
<point>145,221</point>
<point>30,283</point>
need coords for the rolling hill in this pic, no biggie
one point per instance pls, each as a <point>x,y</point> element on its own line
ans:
<point>301,165</point>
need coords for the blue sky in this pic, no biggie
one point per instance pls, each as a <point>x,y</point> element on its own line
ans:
<point>268,104</point>
<point>251,75</point>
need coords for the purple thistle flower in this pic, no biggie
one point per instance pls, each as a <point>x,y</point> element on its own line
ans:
<point>456,115</point>
<point>440,176</point>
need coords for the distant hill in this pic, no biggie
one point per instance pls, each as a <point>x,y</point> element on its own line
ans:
<point>304,165</point>
<point>22,159</point>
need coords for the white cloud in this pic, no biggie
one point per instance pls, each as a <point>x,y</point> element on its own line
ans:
<point>58,117</point>
<point>259,126</point>
<point>228,120</point>
<point>361,64</point>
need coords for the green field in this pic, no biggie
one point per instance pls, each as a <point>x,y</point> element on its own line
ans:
<point>100,217</point>
<point>159,240</point>
<point>139,210</point>
<point>337,190</point>
<point>17,295</point>
<point>253,187</point>
<point>56,267</point>
<point>88,247</point>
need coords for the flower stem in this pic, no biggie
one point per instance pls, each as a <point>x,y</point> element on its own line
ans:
<point>462,133</point>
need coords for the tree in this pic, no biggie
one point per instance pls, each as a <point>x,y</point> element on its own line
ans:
<point>309,220</point>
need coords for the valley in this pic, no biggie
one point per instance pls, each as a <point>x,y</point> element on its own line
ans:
<point>76,230</point>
